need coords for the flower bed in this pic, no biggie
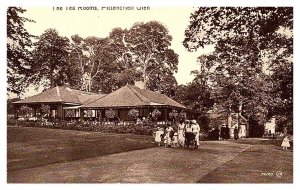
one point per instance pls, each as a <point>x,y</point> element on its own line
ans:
<point>138,129</point>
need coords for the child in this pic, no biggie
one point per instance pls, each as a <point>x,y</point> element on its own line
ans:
<point>285,143</point>
<point>158,135</point>
<point>175,140</point>
<point>169,135</point>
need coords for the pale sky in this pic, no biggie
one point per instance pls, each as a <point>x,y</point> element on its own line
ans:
<point>100,22</point>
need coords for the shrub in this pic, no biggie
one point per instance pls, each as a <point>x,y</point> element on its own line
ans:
<point>134,113</point>
<point>110,114</point>
<point>138,129</point>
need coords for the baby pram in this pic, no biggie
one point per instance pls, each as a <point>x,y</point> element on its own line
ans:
<point>190,140</point>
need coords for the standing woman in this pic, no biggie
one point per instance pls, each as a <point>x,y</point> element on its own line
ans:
<point>196,131</point>
<point>169,135</point>
<point>181,135</point>
<point>158,135</point>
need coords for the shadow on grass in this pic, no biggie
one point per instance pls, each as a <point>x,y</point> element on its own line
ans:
<point>34,147</point>
<point>262,163</point>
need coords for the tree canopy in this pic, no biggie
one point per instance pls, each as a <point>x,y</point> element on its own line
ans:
<point>18,50</point>
<point>253,51</point>
<point>126,55</point>
<point>50,61</point>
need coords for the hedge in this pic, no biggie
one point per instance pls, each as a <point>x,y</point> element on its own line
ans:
<point>138,129</point>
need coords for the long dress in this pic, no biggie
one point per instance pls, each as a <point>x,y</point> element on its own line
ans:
<point>196,131</point>
<point>285,142</point>
<point>158,136</point>
<point>168,138</point>
<point>180,134</point>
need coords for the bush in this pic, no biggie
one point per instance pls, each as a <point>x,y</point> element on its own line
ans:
<point>137,129</point>
<point>11,120</point>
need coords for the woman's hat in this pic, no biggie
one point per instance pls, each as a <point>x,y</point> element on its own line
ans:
<point>193,121</point>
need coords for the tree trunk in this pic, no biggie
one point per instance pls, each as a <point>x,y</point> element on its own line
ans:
<point>145,78</point>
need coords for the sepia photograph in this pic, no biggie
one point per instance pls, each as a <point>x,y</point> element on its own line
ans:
<point>149,95</point>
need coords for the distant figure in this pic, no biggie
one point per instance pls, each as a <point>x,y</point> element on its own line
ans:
<point>196,131</point>
<point>169,135</point>
<point>175,140</point>
<point>187,133</point>
<point>158,136</point>
<point>236,133</point>
<point>227,132</point>
<point>181,134</point>
<point>217,134</point>
<point>285,143</point>
<point>223,134</point>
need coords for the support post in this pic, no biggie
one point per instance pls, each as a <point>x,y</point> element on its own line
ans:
<point>81,114</point>
<point>165,114</point>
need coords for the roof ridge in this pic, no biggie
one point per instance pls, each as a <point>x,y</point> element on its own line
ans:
<point>165,97</point>
<point>156,93</point>
<point>136,93</point>
<point>96,99</point>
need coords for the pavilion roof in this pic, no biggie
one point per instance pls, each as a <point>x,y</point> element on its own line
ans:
<point>61,94</point>
<point>132,96</point>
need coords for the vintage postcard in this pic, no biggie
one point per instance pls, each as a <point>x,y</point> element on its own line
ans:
<point>149,94</point>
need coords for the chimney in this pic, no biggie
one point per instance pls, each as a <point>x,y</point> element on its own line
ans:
<point>139,84</point>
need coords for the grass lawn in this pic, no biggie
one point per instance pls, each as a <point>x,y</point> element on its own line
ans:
<point>89,157</point>
<point>264,162</point>
<point>33,147</point>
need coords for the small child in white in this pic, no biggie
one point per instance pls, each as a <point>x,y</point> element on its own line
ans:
<point>285,143</point>
<point>158,135</point>
<point>175,140</point>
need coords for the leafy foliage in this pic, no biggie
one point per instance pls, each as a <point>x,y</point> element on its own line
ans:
<point>155,114</point>
<point>182,115</point>
<point>25,111</point>
<point>173,114</point>
<point>50,60</point>
<point>126,55</point>
<point>134,113</point>
<point>18,50</point>
<point>110,113</point>
<point>45,110</point>
<point>253,50</point>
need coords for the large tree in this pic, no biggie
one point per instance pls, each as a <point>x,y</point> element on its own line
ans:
<point>127,55</point>
<point>98,57</point>
<point>251,43</point>
<point>147,47</point>
<point>18,50</point>
<point>50,62</point>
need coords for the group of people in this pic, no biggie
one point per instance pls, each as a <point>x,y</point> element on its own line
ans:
<point>184,134</point>
<point>216,134</point>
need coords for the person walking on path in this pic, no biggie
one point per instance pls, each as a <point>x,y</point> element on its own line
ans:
<point>285,143</point>
<point>236,133</point>
<point>196,131</point>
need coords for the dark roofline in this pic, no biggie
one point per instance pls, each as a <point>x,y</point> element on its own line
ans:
<point>138,107</point>
<point>58,102</point>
